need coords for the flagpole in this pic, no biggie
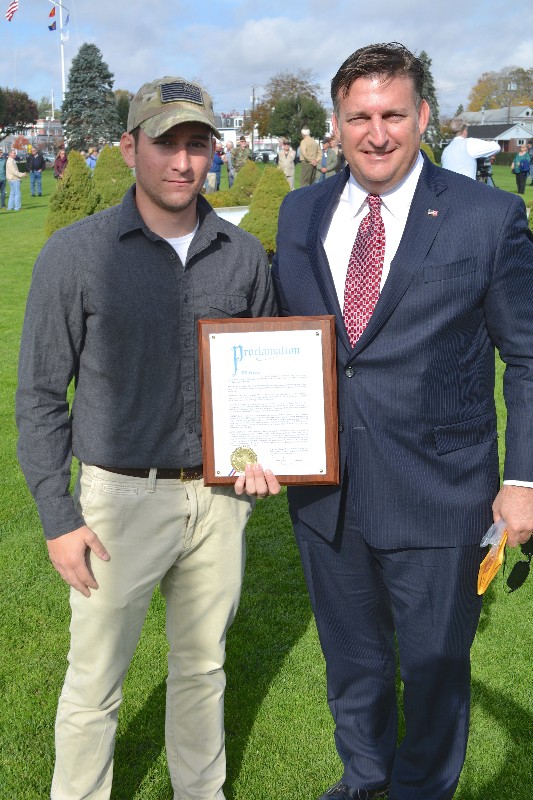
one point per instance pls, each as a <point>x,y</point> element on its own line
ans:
<point>62,43</point>
<point>62,49</point>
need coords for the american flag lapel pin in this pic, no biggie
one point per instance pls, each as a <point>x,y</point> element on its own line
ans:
<point>432,212</point>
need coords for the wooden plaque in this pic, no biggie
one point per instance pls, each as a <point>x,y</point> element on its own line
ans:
<point>269,394</point>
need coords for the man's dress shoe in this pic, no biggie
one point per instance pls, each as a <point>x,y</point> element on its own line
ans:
<point>343,792</point>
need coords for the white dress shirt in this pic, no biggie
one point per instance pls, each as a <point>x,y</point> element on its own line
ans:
<point>350,212</point>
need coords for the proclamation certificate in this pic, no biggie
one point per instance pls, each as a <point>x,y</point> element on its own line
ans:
<point>269,396</point>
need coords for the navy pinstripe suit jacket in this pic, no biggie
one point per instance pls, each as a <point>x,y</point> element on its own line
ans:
<point>418,433</point>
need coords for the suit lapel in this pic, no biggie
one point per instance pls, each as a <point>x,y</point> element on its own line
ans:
<point>320,218</point>
<point>426,215</point>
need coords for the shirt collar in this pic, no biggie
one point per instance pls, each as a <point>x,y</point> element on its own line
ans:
<point>397,201</point>
<point>210,224</point>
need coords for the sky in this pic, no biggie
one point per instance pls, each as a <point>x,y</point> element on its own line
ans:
<point>233,47</point>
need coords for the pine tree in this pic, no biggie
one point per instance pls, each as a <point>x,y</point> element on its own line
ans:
<point>74,197</point>
<point>111,178</point>
<point>89,113</point>
<point>432,134</point>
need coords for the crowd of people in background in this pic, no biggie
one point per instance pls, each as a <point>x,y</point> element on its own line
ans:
<point>11,176</point>
<point>319,160</point>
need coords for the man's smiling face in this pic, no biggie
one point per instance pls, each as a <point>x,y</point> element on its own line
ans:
<point>379,125</point>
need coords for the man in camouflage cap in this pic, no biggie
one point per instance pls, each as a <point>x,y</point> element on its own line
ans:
<point>125,289</point>
<point>167,101</point>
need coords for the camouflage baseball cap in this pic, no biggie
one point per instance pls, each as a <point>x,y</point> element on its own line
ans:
<point>165,102</point>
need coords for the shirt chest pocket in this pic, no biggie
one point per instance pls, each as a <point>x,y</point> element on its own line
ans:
<point>218,306</point>
<point>445,272</point>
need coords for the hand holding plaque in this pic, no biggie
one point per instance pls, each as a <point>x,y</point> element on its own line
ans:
<point>257,482</point>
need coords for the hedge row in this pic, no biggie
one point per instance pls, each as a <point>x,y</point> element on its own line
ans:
<point>82,191</point>
<point>262,218</point>
<point>242,190</point>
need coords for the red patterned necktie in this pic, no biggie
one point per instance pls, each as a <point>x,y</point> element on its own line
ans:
<point>363,277</point>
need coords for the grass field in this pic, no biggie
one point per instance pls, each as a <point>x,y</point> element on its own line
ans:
<point>279,732</point>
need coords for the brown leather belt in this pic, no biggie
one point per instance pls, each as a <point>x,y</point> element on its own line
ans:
<point>163,473</point>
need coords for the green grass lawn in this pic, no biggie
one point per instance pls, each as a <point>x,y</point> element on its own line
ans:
<point>279,732</point>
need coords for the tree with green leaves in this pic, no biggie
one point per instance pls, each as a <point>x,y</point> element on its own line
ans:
<point>17,111</point>
<point>123,99</point>
<point>89,112</point>
<point>511,86</point>
<point>432,134</point>
<point>291,114</point>
<point>44,108</point>
<point>283,85</point>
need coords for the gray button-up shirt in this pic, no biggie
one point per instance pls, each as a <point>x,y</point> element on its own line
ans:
<point>112,307</point>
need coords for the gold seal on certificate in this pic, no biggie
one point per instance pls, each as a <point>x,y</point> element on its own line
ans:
<point>242,456</point>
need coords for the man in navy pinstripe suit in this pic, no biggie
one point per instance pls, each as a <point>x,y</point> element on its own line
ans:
<point>392,554</point>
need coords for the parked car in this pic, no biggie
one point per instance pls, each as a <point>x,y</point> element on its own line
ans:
<point>266,155</point>
<point>50,159</point>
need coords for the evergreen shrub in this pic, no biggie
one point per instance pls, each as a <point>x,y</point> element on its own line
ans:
<point>242,190</point>
<point>74,197</point>
<point>262,218</point>
<point>503,159</point>
<point>427,149</point>
<point>111,178</point>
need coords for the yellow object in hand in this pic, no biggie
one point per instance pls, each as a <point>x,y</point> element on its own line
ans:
<point>491,564</point>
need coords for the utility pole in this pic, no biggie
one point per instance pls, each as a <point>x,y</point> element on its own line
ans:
<point>511,88</point>
<point>252,98</point>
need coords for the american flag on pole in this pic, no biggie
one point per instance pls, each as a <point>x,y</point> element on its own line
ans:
<point>13,6</point>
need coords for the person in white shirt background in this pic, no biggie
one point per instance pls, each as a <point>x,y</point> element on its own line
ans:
<point>463,151</point>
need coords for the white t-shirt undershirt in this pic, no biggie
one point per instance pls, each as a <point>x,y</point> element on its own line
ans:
<point>181,244</point>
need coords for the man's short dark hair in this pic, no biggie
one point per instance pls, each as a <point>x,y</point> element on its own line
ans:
<point>136,132</point>
<point>391,60</point>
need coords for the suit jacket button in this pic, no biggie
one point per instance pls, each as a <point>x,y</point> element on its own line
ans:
<point>349,372</point>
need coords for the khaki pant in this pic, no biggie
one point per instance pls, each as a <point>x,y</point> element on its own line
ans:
<point>307,174</point>
<point>190,539</point>
<point>211,183</point>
